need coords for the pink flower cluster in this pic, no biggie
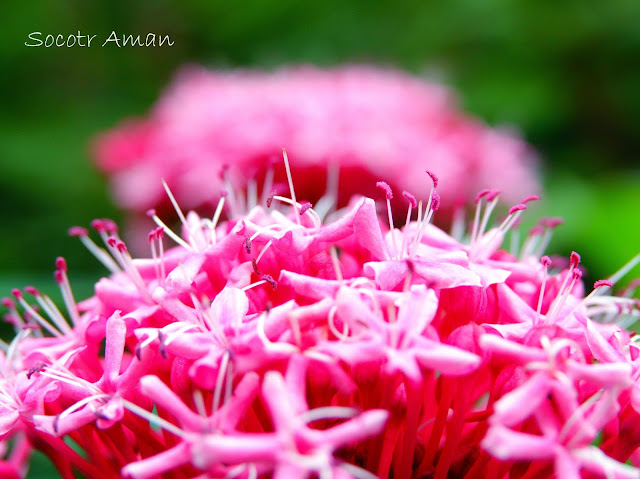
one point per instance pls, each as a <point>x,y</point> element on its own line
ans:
<point>222,130</point>
<point>276,345</point>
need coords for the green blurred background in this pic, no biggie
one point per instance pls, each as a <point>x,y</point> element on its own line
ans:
<point>566,73</point>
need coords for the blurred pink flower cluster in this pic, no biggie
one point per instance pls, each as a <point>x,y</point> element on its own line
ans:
<point>276,345</point>
<point>214,131</point>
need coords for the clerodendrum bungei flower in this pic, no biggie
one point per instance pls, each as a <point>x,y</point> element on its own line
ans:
<point>280,343</point>
<point>213,131</point>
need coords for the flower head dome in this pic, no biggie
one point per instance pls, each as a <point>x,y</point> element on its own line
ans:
<point>275,344</point>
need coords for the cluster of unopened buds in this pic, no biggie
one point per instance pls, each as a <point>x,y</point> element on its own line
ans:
<point>277,343</point>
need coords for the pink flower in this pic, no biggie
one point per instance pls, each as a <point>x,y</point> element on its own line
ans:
<point>215,131</point>
<point>276,344</point>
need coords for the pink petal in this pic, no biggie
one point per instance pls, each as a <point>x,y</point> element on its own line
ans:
<point>508,445</point>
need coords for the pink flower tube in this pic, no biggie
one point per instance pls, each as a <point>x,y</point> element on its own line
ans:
<point>347,127</point>
<point>276,344</point>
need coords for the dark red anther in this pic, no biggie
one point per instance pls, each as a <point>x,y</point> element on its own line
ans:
<point>515,208</point>
<point>59,276</point>
<point>435,201</point>
<point>546,261</point>
<point>32,290</point>
<point>410,198</point>
<point>254,263</point>
<point>152,236</point>
<point>481,195</point>
<point>16,293</point>
<point>270,198</point>
<point>492,195</point>
<point>7,303</point>
<point>61,263</point>
<point>551,222</point>
<point>98,225</point>
<point>77,231</point>
<point>162,337</point>
<point>159,233</point>
<point>384,186</point>
<point>247,244</point>
<point>530,198</point>
<point>304,207</point>
<point>110,226</point>
<point>36,368</point>
<point>223,171</point>
<point>112,241</point>
<point>100,414</point>
<point>120,246</point>
<point>536,230</point>
<point>269,279</point>
<point>602,283</point>
<point>574,259</point>
<point>410,266</point>
<point>577,274</point>
<point>433,177</point>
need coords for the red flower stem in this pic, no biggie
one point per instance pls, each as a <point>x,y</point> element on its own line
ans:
<point>385,391</point>
<point>454,429</point>
<point>118,444</point>
<point>478,470</point>
<point>97,452</point>
<point>60,449</point>
<point>438,426</point>
<point>404,461</point>
<point>148,440</point>
<point>388,447</point>
<point>539,469</point>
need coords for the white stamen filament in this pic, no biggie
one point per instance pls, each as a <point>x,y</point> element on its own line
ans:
<point>252,194</point>
<point>543,285</point>
<point>198,402</point>
<point>253,285</point>
<point>614,278</point>
<point>328,412</point>
<point>171,234</point>
<point>395,252</point>
<point>100,254</point>
<point>336,263</point>
<point>217,392</point>
<point>153,419</point>
<point>83,402</point>
<point>176,207</point>
<point>216,217</point>
<point>357,471</point>
<point>476,221</point>
<point>271,345</point>
<point>263,229</point>
<point>69,300</point>
<point>291,190</point>
<point>268,185</point>
<point>403,248</point>
<point>343,336</point>
<point>133,273</point>
<point>562,298</point>
<point>53,312</point>
<point>42,321</point>
<point>315,218</point>
<point>264,250</point>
